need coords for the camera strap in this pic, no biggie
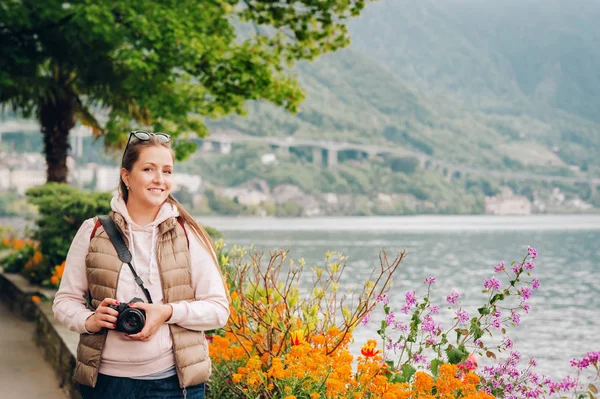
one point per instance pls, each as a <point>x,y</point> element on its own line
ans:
<point>124,255</point>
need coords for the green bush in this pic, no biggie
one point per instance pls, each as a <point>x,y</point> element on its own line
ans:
<point>15,261</point>
<point>62,209</point>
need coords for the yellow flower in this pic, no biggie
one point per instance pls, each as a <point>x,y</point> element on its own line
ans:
<point>315,395</point>
<point>290,397</point>
<point>369,349</point>
<point>297,337</point>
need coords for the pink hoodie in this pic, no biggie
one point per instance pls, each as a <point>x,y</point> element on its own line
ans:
<point>124,357</point>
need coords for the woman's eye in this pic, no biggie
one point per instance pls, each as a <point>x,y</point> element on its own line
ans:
<point>168,172</point>
<point>147,169</point>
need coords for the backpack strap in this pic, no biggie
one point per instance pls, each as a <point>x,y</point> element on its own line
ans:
<point>98,224</point>
<point>180,220</point>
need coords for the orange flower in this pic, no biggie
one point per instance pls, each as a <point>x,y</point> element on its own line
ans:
<point>369,349</point>
<point>59,270</point>
<point>54,280</point>
<point>36,299</point>
<point>297,337</point>
<point>37,258</point>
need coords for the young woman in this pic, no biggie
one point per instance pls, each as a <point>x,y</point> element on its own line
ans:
<point>176,261</point>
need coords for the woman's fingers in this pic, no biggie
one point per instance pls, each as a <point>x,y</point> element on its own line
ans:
<point>106,324</point>
<point>108,318</point>
<point>103,307</point>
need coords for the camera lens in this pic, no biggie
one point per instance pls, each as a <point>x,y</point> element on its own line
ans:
<point>132,320</point>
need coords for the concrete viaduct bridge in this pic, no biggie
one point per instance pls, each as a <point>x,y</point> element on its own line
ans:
<point>327,153</point>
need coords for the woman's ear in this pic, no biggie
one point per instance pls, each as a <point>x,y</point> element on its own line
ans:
<point>125,176</point>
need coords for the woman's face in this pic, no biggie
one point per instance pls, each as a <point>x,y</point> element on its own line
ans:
<point>150,178</point>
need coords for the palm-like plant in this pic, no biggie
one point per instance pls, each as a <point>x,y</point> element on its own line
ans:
<point>163,64</point>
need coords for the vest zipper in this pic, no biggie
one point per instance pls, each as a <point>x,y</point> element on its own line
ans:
<point>184,393</point>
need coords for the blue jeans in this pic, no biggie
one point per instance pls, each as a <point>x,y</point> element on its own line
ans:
<point>127,388</point>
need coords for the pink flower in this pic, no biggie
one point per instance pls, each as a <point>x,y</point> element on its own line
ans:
<point>452,297</point>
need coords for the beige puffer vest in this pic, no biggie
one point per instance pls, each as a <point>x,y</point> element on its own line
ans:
<point>191,349</point>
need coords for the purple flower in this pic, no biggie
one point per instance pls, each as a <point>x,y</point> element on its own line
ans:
<point>452,297</point>
<point>496,323</point>
<point>525,293</point>
<point>390,319</point>
<point>525,307</point>
<point>507,342</point>
<point>366,319</point>
<point>382,298</point>
<point>429,280</point>
<point>532,251</point>
<point>516,318</point>
<point>533,362</point>
<point>434,309</point>
<point>591,358</point>
<point>399,325</point>
<point>517,268</point>
<point>462,316</point>
<point>418,358</point>
<point>411,298</point>
<point>529,265</point>
<point>536,284</point>
<point>492,283</point>
<point>500,267</point>
<point>428,324</point>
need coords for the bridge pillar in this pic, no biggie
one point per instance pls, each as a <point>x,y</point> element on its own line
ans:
<point>317,156</point>
<point>332,157</point>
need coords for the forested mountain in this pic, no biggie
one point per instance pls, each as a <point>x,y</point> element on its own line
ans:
<point>481,82</point>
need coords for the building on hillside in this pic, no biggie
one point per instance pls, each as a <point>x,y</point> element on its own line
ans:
<point>507,203</point>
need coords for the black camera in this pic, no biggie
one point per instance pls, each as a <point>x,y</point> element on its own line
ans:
<point>130,320</point>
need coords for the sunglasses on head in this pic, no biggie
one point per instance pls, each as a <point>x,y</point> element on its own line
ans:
<point>143,135</point>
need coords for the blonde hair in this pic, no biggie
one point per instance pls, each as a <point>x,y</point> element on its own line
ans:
<point>130,157</point>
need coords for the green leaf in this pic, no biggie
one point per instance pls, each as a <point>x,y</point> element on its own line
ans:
<point>435,365</point>
<point>407,372</point>
<point>456,355</point>
<point>483,311</point>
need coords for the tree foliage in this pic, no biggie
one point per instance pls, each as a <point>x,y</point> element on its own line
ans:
<point>165,65</point>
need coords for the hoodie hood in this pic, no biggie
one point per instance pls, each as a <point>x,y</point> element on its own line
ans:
<point>167,210</point>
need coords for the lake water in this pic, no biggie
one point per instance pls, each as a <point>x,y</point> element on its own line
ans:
<point>461,251</point>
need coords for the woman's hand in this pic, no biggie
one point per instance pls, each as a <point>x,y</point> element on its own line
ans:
<point>156,316</point>
<point>103,317</point>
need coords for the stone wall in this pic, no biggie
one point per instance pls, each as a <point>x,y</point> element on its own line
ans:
<point>58,344</point>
